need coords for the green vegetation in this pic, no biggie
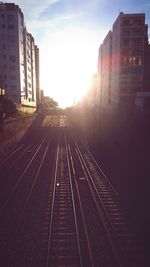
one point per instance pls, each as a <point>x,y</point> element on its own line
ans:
<point>50,103</point>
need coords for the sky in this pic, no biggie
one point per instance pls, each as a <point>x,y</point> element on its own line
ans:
<point>68,34</point>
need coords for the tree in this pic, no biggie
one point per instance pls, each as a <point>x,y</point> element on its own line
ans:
<point>7,105</point>
<point>53,103</point>
<point>50,103</point>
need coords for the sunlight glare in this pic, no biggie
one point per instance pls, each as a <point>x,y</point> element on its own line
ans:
<point>67,64</point>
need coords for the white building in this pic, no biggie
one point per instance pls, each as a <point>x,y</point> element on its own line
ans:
<point>17,58</point>
<point>37,71</point>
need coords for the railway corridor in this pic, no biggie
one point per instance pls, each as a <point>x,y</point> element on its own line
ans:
<point>57,207</point>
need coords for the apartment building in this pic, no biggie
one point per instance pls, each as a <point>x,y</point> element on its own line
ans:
<point>104,72</point>
<point>37,71</point>
<point>17,58</point>
<point>29,92</point>
<point>121,69</point>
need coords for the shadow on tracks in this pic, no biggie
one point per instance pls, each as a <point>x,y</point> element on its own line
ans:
<point>35,132</point>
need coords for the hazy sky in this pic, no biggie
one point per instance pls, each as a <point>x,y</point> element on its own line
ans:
<point>68,34</point>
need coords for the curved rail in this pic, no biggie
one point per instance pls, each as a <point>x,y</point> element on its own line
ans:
<point>95,194</point>
<point>121,237</point>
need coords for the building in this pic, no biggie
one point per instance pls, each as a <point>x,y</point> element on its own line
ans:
<point>104,73</point>
<point>91,95</point>
<point>121,69</point>
<point>28,98</point>
<point>142,103</point>
<point>17,58</point>
<point>37,71</point>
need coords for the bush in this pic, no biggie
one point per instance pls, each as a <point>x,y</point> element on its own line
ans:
<point>8,106</point>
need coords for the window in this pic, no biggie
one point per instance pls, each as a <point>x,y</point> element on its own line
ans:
<point>4,46</point>
<point>137,32</point>
<point>14,87</point>
<point>10,17</point>
<point>3,16</point>
<point>138,22</point>
<point>3,26</point>
<point>12,38</point>
<point>137,42</point>
<point>5,77</point>
<point>126,22</point>
<point>4,56</point>
<point>139,61</point>
<point>126,42</point>
<point>11,46</point>
<point>131,61</point>
<point>12,58</point>
<point>126,32</point>
<point>11,27</point>
<point>13,77</point>
<point>137,52</point>
<point>125,52</point>
<point>124,60</point>
<point>12,67</point>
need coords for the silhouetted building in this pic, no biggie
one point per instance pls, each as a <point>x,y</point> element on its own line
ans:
<point>17,58</point>
<point>147,68</point>
<point>92,93</point>
<point>105,94</point>
<point>121,63</point>
<point>37,68</point>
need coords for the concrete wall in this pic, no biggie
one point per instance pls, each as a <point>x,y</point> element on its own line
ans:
<point>14,129</point>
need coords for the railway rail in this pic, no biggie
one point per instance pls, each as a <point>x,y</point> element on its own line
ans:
<point>125,247</point>
<point>57,207</point>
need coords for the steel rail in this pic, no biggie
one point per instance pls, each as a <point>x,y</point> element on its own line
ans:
<point>34,182</point>
<point>53,202</point>
<point>67,189</point>
<point>28,196</point>
<point>9,155</point>
<point>125,239</point>
<point>73,202</point>
<point>81,209</point>
<point>21,224</point>
<point>20,178</point>
<point>104,175</point>
<point>88,175</point>
<point>16,159</point>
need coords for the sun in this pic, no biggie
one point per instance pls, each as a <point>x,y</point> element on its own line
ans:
<point>68,60</point>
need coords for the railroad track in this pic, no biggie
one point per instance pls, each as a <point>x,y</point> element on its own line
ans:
<point>63,241</point>
<point>17,186</point>
<point>63,210</point>
<point>99,242</point>
<point>126,248</point>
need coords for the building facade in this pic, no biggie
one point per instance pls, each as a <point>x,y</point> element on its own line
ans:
<point>104,72</point>
<point>121,69</point>
<point>17,58</point>
<point>37,71</point>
